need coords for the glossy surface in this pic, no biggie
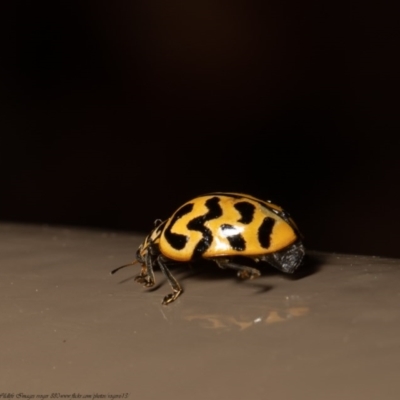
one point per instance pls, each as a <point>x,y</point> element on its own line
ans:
<point>331,331</point>
<point>228,225</point>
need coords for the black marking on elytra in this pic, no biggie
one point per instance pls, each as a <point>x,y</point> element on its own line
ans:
<point>177,240</point>
<point>197,224</point>
<point>246,211</point>
<point>236,240</point>
<point>264,232</point>
<point>262,203</point>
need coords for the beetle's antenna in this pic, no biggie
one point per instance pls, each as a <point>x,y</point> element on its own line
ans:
<point>123,266</point>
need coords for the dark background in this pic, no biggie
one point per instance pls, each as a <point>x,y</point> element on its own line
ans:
<point>115,113</point>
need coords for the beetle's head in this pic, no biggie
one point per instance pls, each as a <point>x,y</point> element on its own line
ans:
<point>141,252</point>
<point>149,245</point>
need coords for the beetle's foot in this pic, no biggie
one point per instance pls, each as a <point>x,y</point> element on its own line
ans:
<point>249,273</point>
<point>169,298</point>
<point>140,278</point>
<point>144,280</point>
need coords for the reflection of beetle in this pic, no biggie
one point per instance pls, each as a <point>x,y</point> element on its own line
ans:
<point>220,227</point>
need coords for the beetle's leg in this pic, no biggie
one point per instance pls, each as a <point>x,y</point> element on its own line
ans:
<point>242,271</point>
<point>177,289</point>
<point>142,276</point>
<point>146,276</point>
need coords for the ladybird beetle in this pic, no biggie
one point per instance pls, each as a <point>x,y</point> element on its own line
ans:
<point>220,227</point>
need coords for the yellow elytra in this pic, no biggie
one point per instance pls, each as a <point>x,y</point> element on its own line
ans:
<point>221,227</point>
<point>239,225</point>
